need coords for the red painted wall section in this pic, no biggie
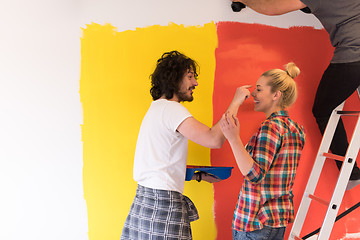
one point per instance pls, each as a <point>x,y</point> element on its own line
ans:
<point>244,52</point>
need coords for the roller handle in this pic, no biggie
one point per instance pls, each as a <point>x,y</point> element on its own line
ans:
<point>237,6</point>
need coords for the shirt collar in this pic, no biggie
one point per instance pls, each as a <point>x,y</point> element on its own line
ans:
<point>282,113</point>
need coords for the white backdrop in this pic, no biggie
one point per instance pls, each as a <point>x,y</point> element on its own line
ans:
<point>40,112</point>
<point>127,15</point>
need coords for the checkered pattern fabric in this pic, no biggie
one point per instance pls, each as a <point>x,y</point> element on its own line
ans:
<point>159,214</point>
<point>266,196</point>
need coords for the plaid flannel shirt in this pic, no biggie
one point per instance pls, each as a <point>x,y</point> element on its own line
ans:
<point>159,214</point>
<point>266,196</point>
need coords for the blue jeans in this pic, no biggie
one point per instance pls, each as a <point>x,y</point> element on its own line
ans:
<point>266,233</point>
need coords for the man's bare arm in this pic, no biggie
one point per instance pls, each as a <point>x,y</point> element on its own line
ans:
<point>201,134</point>
<point>212,137</point>
<point>273,7</point>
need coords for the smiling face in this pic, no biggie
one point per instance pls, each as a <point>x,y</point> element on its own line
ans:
<point>265,100</point>
<point>187,85</point>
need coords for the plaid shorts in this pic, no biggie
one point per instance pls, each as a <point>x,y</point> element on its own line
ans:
<point>159,214</point>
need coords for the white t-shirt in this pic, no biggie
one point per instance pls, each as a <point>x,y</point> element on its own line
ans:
<point>161,151</point>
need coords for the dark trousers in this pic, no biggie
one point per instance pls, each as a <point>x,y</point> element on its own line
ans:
<point>338,82</point>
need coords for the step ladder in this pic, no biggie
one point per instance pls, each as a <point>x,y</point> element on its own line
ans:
<point>345,172</point>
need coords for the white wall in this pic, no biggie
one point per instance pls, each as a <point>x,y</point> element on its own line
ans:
<point>40,112</point>
<point>41,191</point>
<point>127,15</point>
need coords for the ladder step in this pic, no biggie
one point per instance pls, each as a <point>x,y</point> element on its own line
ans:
<point>297,238</point>
<point>334,156</point>
<point>320,200</point>
<point>351,113</point>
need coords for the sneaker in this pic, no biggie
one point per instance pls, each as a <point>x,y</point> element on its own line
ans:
<point>352,183</point>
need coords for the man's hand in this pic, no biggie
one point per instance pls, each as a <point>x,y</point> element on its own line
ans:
<point>209,178</point>
<point>242,93</point>
<point>199,176</point>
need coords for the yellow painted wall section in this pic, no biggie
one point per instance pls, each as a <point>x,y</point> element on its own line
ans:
<point>114,91</point>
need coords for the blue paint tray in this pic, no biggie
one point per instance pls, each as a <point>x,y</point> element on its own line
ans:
<point>219,172</point>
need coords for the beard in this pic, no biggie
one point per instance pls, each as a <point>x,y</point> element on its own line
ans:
<point>184,97</point>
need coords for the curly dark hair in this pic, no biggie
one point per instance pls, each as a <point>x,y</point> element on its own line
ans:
<point>169,72</point>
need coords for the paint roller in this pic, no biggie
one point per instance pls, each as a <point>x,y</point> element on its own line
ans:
<point>237,6</point>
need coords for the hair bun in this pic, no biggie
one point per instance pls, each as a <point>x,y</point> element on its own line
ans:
<point>292,70</point>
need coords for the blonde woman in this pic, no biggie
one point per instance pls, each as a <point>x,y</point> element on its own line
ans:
<point>269,160</point>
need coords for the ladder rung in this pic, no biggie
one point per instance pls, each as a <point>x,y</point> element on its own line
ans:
<point>297,238</point>
<point>334,156</point>
<point>320,200</point>
<point>353,113</point>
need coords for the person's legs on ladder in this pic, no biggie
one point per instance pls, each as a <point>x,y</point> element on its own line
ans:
<point>338,82</point>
